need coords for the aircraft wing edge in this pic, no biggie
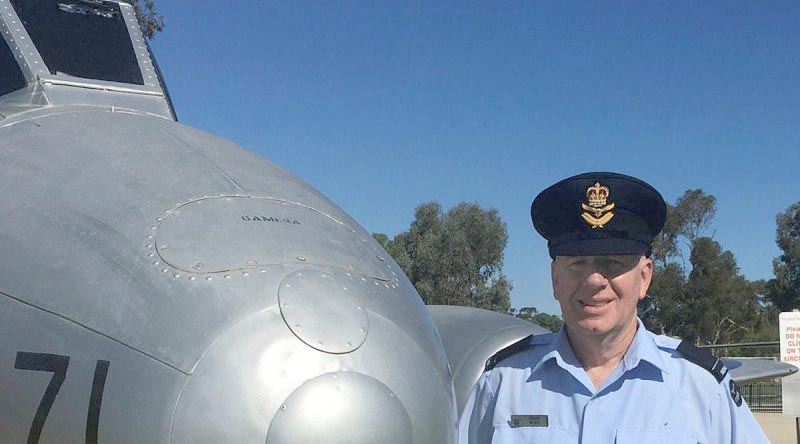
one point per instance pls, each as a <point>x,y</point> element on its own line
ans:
<point>750,370</point>
<point>471,336</point>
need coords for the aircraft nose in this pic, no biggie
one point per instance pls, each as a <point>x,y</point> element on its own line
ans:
<point>337,359</point>
<point>341,408</point>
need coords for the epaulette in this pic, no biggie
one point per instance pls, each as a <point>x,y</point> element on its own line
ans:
<point>703,358</point>
<point>512,349</point>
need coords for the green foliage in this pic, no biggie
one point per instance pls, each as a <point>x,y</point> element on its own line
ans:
<point>454,258</point>
<point>665,245</point>
<point>687,220</point>
<point>149,21</point>
<point>663,309</point>
<point>530,314</point>
<point>398,253</point>
<point>765,328</point>
<point>784,290</point>
<point>722,304</point>
<point>709,302</point>
<point>694,209</point>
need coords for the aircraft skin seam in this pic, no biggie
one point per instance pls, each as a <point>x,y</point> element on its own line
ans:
<point>178,401</point>
<point>224,174</point>
<point>194,151</point>
<point>93,331</point>
<point>17,118</point>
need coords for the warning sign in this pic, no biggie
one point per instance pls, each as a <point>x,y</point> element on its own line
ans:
<point>789,325</point>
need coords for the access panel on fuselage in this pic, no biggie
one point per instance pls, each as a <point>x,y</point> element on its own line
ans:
<point>234,233</point>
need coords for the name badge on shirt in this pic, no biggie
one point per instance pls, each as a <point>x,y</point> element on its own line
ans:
<point>529,421</point>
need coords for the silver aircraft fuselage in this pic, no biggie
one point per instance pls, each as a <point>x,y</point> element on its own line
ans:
<point>162,285</point>
<point>211,281</point>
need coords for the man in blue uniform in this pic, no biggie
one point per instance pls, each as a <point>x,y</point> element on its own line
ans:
<point>604,378</point>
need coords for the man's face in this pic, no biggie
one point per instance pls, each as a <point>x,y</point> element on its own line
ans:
<point>599,294</point>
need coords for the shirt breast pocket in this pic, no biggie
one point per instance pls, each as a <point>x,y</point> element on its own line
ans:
<point>504,434</point>
<point>653,437</point>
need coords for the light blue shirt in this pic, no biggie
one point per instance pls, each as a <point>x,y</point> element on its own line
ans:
<point>654,396</point>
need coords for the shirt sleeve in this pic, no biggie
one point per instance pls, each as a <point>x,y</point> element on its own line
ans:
<point>475,423</point>
<point>733,422</point>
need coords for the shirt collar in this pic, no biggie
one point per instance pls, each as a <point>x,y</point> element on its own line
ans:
<point>561,351</point>
<point>643,348</point>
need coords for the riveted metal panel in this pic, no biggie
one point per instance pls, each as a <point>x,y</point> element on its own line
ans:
<point>325,310</point>
<point>149,74</point>
<point>231,233</point>
<point>20,43</point>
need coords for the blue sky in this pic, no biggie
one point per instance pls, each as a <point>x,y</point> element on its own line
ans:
<point>384,105</point>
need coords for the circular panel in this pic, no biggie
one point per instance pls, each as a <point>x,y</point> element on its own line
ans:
<point>225,233</point>
<point>341,408</point>
<point>324,310</point>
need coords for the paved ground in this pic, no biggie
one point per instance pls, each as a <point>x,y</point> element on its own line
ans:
<point>780,429</point>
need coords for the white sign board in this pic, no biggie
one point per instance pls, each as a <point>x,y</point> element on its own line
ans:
<point>789,325</point>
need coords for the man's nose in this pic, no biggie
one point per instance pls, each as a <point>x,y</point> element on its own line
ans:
<point>596,279</point>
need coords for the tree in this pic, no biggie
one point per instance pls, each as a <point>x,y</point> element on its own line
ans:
<point>694,209</point>
<point>784,290</point>
<point>687,220</point>
<point>765,327</point>
<point>395,251</point>
<point>663,308</point>
<point>454,258</point>
<point>149,21</point>
<point>530,314</point>
<point>721,303</point>
<point>665,245</point>
<point>708,302</point>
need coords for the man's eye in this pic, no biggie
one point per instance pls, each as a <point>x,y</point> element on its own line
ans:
<point>577,265</point>
<point>619,265</point>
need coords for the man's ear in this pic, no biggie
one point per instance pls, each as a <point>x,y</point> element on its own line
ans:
<point>553,277</point>
<point>646,274</point>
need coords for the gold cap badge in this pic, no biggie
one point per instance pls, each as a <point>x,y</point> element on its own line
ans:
<point>597,213</point>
